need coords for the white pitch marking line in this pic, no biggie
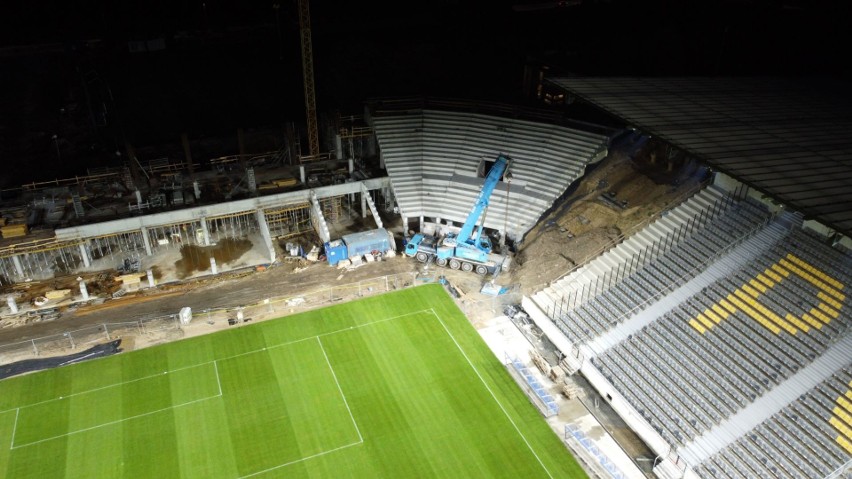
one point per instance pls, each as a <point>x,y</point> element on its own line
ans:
<point>300,460</point>
<point>114,422</point>
<point>218,381</point>
<point>15,428</point>
<point>492,393</point>
<point>122,383</point>
<point>340,390</point>
<point>18,408</point>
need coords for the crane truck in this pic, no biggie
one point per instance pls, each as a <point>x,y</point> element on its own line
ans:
<point>468,249</point>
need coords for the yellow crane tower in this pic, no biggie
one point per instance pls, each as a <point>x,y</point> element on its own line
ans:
<point>308,73</point>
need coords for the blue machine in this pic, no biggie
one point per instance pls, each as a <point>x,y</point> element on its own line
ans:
<point>359,244</point>
<point>468,250</point>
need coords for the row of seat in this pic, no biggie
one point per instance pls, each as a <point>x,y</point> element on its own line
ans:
<point>433,156</point>
<point>684,383</point>
<point>797,442</point>
<point>679,264</point>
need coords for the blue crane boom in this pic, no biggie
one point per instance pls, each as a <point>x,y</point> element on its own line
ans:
<point>466,250</point>
<point>488,186</point>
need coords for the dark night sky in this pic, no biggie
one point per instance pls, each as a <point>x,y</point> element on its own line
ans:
<point>224,66</point>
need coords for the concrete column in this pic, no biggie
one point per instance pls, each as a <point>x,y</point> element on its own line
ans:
<point>84,292</point>
<point>363,204</point>
<point>351,165</point>
<point>16,260</point>
<point>381,161</point>
<point>150,275</point>
<point>404,225</point>
<point>302,173</point>
<point>213,267</point>
<point>146,240</point>
<point>205,231</point>
<point>338,147</point>
<point>264,231</point>
<point>138,197</point>
<point>421,223</point>
<point>84,254</point>
<point>196,189</point>
<point>13,307</point>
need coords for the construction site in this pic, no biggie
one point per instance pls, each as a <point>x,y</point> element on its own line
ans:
<point>604,250</point>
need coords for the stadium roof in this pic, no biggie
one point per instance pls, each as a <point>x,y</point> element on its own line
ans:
<point>791,139</point>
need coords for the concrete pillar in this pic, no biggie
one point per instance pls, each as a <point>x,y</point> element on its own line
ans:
<point>421,223</point>
<point>363,204</point>
<point>138,197</point>
<point>338,147</point>
<point>196,189</point>
<point>213,267</point>
<point>13,307</point>
<point>16,260</point>
<point>84,292</point>
<point>150,275</point>
<point>146,240</point>
<point>404,225</point>
<point>84,254</point>
<point>302,173</point>
<point>204,231</point>
<point>351,165</point>
<point>264,231</point>
<point>381,161</point>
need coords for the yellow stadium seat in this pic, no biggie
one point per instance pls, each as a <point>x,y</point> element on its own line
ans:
<point>720,311</point>
<point>808,319</point>
<point>828,310</point>
<point>829,300</point>
<point>815,312</point>
<point>783,272</point>
<point>725,304</point>
<point>713,316</point>
<point>772,275</point>
<point>841,426</point>
<point>756,285</point>
<point>845,403</point>
<point>695,324</point>
<point>819,273</point>
<point>845,444</point>
<point>763,279</point>
<point>704,321</point>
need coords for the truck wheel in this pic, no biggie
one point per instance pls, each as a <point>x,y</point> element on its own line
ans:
<point>467,267</point>
<point>455,264</point>
<point>441,261</point>
<point>481,270</point>
<point>422,257</point>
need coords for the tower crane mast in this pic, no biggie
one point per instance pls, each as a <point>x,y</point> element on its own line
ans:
<point>308,74</point>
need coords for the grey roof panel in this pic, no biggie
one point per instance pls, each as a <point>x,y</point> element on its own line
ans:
<point>788,138</point>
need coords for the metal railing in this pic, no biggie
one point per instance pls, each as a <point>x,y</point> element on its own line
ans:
<point>162,327</point>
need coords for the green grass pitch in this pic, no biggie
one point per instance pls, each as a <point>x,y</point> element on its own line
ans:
<point>398,385</point>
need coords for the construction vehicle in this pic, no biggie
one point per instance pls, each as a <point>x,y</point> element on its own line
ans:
<point>468,250</point>
<point>374,242</point>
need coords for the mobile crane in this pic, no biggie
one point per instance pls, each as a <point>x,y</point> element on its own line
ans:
<point>467,250</point>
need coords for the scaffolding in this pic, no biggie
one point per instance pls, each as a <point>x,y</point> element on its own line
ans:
<point>289,220</point>
<point>332,208</point>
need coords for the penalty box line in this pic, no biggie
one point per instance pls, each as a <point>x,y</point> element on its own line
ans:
<point>129,381</point>
<point>493,396</point>
<point>323,453</point>
<point>218,383</point>
<point>118,421</point>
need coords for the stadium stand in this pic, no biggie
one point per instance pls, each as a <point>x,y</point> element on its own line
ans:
<point>725,330</point>
<point>436,158</point>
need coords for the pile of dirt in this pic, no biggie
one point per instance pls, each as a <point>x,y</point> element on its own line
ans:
<point>622,195</point>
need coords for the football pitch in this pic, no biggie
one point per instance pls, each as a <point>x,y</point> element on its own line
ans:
<point>398,385</point>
